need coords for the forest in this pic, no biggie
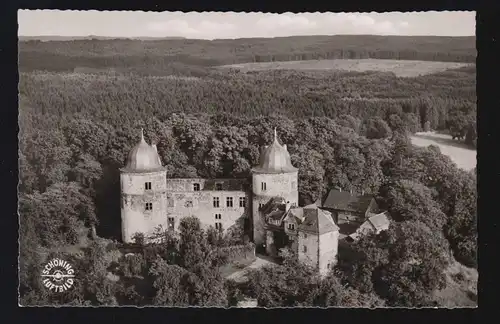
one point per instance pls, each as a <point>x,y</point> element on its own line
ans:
<point>343,129</point>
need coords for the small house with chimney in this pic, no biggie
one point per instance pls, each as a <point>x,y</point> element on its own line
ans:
<point>349,208</point>
<point>374,224</point>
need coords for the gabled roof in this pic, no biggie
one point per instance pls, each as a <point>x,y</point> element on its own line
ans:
<point>344,200</point>
<point>375,223</point>
<point>276,214</point>
<point>273,204</point>
<point>317,221</point>
<point>379,221</point>
<point>297,213</point>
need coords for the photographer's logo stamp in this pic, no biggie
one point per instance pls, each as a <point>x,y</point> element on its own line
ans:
<point>58,275</point>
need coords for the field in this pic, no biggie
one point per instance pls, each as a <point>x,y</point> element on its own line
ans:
<point>462,155</point>
<point>401,68</point>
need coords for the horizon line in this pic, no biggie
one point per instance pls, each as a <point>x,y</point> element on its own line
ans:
<point>237,38</point>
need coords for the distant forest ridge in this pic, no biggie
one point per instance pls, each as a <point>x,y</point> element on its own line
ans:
<point>56,38</point>
<point>128,53</point>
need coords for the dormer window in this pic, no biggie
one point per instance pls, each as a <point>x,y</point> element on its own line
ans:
<point>291,227</point>
<point>147,185</point>
<point>196,187</point>
<point>242,202</point>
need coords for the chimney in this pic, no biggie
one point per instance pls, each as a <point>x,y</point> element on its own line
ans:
<point>350,191</point>
<point>340,189</point>
<point>284,146</point>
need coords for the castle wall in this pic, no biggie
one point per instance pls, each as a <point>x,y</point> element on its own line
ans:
<point>328,249</point>
<point>134,197</point>
<point>310,254</point>
<point>276,185</point>
<point>184,201</point>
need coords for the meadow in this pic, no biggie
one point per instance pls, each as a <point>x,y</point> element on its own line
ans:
<point>464,156</point>
<point>401,68</point>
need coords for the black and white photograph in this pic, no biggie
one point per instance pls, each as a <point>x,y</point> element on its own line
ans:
<point>247,160</point>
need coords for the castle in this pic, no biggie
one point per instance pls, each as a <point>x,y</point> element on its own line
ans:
<point>266,206</point>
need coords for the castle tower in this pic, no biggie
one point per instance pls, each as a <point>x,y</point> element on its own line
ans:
<point>318,237</point>
<point>273,177</point>
<point>143,191</point>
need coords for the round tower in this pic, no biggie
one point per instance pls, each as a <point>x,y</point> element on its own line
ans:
<point>143,191</point>
<point>275,176</point>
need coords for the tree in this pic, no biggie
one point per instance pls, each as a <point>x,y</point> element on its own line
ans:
<point>457,124</point>
<point>410,200</point>
<point>403,265</point>
<point>311,180</point>
<point>285,285</point>
<point>471,135</point>
<point>169,283</point>
<point>377,128</point>
<point>60,214</point>
<point>193,245</point>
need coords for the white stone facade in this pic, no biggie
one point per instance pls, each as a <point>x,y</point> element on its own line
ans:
<point>143,206</point>
<point>266,186</point>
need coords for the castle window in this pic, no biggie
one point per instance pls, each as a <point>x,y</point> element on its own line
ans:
<point>218,216</point>
<point>305,249</point>
<point>196,187</point>
<point>291,226</point>
<point>216,202</point>
<point>147,186</point>
<point>263,186</point>
<point>243,202</point>
<point>261,205</point>
<point>218,226</point>
<point>171,223</point>
<point>149,206</point>
<point>229,201</point>
<point>170,202</point>
<point>218,186</point>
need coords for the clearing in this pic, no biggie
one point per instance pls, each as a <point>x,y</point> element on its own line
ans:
<point>461,154</point>
<point>240,275</point>
<point>401,68</point>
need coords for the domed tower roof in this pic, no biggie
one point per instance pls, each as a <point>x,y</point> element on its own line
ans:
<point>275,158</point>
<point>143,158</point>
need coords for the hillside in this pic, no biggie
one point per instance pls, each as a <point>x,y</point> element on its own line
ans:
<point>94,53</point>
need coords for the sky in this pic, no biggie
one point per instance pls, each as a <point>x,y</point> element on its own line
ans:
<point>230,25</point>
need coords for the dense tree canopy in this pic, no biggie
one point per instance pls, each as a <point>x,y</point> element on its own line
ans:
<point>342,129</point>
